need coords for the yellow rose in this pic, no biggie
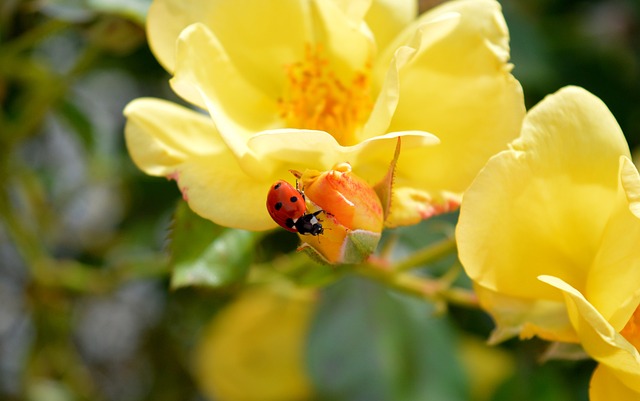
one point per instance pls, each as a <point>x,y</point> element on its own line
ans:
<point>307,84</point>
<point>253,350</point>
<point>559,210</point>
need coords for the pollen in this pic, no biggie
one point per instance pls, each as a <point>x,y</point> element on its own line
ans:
<point>316,98</point>
<point>632,330</point>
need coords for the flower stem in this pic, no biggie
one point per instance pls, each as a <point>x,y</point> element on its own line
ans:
<point>435,290</point>
<point>427,255</point>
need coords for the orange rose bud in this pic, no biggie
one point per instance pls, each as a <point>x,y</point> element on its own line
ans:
<point>353,216</point>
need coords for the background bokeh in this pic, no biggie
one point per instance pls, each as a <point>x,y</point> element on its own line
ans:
<point>87,309</point>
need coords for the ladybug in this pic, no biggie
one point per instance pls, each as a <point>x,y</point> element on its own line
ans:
<point>287,207</point>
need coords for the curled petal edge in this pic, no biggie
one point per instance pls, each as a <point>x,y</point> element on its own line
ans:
<point>599,339</point>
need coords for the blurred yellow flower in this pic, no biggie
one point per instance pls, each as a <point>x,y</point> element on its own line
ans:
<point>312,83</point>
<point>560,210</point>
<point>253,350</point>
<point>487,368</point>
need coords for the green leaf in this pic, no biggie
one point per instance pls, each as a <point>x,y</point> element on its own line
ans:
<point>206,254</point>
<point>367,343</point>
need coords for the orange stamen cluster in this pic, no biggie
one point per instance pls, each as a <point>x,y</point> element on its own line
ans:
<point>315,98</point>
<point>632,330</point>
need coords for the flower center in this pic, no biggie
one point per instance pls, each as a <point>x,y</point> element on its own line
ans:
<point>632,330</point>
<point>315,98</point>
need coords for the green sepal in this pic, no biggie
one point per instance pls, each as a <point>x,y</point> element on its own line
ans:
<point>313,254</point>
<point>384,188</point>
<point>358,245</point>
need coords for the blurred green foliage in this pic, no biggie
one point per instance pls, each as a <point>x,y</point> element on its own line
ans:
<point>86,306</point>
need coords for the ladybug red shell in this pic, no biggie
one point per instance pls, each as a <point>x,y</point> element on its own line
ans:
<point>286,206</point>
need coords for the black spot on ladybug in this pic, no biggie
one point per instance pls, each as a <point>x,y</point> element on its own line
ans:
<point>277,186</point>
<point>278,205</point>
<point>294,199</point>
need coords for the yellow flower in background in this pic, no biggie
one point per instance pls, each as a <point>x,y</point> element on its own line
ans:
<point>487,367</point>
<point>312,83</point>
<point>253,350</point>
<point>560,210</point>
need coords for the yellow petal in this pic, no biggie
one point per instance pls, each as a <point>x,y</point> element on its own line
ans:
<point>306,149</point>
<point>387,71</point>
<point>353,10</point>
<point>275,31</point>
<point>166,19</point>
<point>205,76</point>
<point>161,135</point>
<point>515,316</point>
<point>253,350</point>
<point>605,386</point>
<point>612,285</point>
<point>631,183</point>
<point>219,190</point>
<point>387,18</point>
<point>164,139</point>
<point>348,42</point>
<point>297,148</point>
<point>377,152</point>
<point>541,207</point>
<point>598,338</point>
<point>460,88</point>
<point>274,34</point>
